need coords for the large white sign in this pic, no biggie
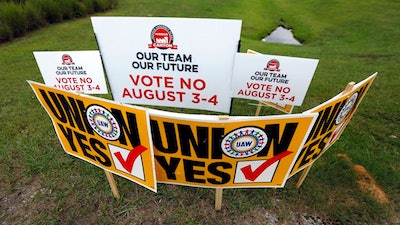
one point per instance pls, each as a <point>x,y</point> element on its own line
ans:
<point>278,79</point>
<point>78,71</point>
<point>178,62</point>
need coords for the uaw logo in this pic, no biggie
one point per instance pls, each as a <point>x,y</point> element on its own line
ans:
<point>347,108</point>
<point>273,65</point>
<point>244,142</point>
<point>103,122</point>
<point>162,38</point>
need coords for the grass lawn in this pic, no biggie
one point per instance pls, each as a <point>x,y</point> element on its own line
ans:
<point>40,184</point>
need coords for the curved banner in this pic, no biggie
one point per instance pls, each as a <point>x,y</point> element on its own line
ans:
<point>169,61</point>
<point>207,151</point>
<point>112,136</point>
<point>333,117</point>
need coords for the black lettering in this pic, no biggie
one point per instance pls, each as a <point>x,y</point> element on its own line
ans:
<point>132,132</point>
<point>72,112</point>
<point>170,135</point>
<point>98,147</point>
<point>279,144</point>
<point>224,177</point>
<point>217,136</point>
<point>168,168</point>
<point>187,139</point>
<point>85,148</point>
<point>60,115</point>
<point>314,149</point>
<point>300,159</point>
<point>308,151</point>
<point>322,144</point>
<point>69,136</point>
<point>325,120</point>
<point>190,171</point>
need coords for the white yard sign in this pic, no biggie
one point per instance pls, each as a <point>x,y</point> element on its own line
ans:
<point>78,71</point>
<point>176,62</point>
<point>278,79</point>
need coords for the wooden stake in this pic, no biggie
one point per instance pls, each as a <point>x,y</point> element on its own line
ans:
<point>112,184</point>
<point>218,198</point>
<point>219,191</point>
<point>303,176</point>
<point>109,175</point>
<point>346,90</point>
<point>258,109</point>
<point>349,87</point>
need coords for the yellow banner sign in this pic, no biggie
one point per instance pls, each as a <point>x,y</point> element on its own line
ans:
<point>204,151</point>
<point>333,117</point>
<point>112,136</point>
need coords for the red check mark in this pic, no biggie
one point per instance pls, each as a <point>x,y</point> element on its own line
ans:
<point>133,154</point>
<point>251,175</point>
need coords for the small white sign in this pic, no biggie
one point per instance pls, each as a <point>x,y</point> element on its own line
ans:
<point>178,62</point>
<point>77,71</point>
<point>278,79</point>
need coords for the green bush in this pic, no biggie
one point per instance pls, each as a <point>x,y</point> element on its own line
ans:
<point>52,10</point>
<point>80,9</point>
<point>100,5</point>
<point>89,6</point>
<point>5,32</point>
<point>35,16</point>
<point>21,16</point>
<point>12,15</point>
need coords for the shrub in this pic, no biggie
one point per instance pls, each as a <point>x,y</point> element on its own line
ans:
<point>89,6</point>
<point>52,10</point>
<point>100,5</point>
<point>79,8</point>
<point>5,32</point>
<point>12,16</point>
<point>17,17</point>
<point>35,16</point>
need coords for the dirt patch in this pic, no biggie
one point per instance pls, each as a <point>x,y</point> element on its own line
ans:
<point>368,185</point>
<point>366,182</point>
<point>21,206</point>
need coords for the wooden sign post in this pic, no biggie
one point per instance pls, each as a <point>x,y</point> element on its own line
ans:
<point>219,191</point>
<point>109,175</point>
<point>218,198</point>
<point>113,185</point>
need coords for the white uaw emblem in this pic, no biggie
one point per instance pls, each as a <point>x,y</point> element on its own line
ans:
<point>347,108</point>
<point>244,142</point>
<point>103,122</point>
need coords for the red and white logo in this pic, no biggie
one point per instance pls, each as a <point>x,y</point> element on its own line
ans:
<point>67,60</point>
<point>272,65</point>
<point>162,38</point>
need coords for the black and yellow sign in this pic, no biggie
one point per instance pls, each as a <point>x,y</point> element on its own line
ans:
<point>196,150</point>
<point>112,136</point>
<point>205,151</point>
<point>333,117</point>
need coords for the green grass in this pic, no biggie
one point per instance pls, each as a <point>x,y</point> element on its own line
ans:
<point>40,184</point>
